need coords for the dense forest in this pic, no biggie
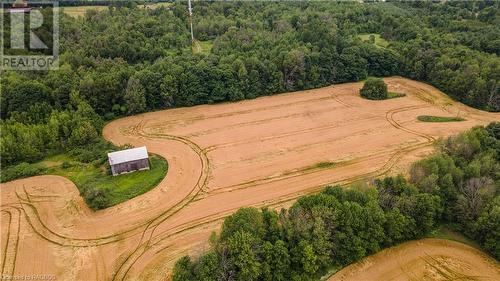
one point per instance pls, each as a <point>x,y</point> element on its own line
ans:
<point>126,60</point>
<point>459,187</point>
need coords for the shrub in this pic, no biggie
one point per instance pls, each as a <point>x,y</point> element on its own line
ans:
<point>109,116</point>
<point>95,198</point>
<point>371,39</point>
<point>494,129</point>
<point>374,89</point>
<point>92,152</point>
<point>21,170</point>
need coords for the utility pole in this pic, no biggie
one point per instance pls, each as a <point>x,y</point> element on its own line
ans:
<point>191,20</point>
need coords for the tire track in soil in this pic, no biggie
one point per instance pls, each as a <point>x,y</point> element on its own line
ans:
<point>144,247</point>
<point>151,225</point>
<point>337,99</point>
<point>162,237</point>
<point>139,250</point>
<point>31,212</point>
<point>46,233</point>
<point>137,130</point>
<point>41,229</point>
<point>233,113</point>
<point>389,117</point>
<point>257,122</point>
<point>10,251</point>
<point>444,271</point>
<point>287,134</point>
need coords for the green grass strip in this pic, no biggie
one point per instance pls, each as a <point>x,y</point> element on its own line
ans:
<point>429,118</point>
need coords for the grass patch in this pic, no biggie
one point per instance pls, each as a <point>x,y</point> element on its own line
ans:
<point>79,11</point>
<point>429,118</point>
<point>203,47</point>
<point>157,5</point>
<point>206,46</point>
<point>101,190</point>
<point>330,272</point>
<point>319,165</point>
<point>94,181</point>
<point>393,95</point>
<point>324,165</point>
<point>447,232</point>
<point>379,41</point>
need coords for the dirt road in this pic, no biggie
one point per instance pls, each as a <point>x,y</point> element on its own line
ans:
<point>262,152</point>
<point>426,259</point>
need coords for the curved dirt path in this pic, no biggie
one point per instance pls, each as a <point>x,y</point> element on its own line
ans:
<point>262,152</point>
<point>426,259</point>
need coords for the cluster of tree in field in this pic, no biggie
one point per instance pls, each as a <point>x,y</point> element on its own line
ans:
<point>459,186</point>
<point>127,60</point>
<point>374,89</point>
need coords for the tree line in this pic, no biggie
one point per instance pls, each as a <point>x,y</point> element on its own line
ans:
<point>127,60</point>
<point>459,186</point>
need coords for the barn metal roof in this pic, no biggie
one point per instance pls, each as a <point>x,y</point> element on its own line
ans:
<point>127,155</point>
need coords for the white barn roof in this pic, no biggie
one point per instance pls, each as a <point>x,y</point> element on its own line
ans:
<point>127,155</point>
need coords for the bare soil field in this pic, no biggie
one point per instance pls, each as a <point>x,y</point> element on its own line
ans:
<point>262,152</point>
<point>426,259</point>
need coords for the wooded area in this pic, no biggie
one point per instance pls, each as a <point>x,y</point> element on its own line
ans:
<point>458,186</point>
<point>126,60</point>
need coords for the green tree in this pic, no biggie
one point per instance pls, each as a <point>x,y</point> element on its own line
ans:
<point>374,89</point>
<point>305,259</point>
<point>371,39</point>
<point>248,220</point>
<point>488,228</point>
<point>82,134</point>
<point>20,95</point>
<point>183,270</point>
<point>275,261</point>
<point>207,268</point>
<point>242,253</point>
<point>135,99</point>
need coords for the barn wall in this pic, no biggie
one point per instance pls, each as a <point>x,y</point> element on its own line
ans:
<point>130,166</point>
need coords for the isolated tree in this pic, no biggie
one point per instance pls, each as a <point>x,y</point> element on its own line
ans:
<point>371,39</point>
<point>135,99</point>
<point>374,89</point>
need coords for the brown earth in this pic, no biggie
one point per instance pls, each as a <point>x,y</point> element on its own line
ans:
<point>262,152</point>
<point>426,259</point>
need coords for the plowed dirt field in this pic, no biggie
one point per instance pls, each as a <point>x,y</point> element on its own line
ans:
<point>262,152</point>
<point>426,260</point>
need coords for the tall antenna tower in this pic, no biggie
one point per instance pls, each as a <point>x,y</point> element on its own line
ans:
<point>190,9</point>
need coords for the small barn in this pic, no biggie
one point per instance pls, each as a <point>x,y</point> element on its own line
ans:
<point>128,160</point>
